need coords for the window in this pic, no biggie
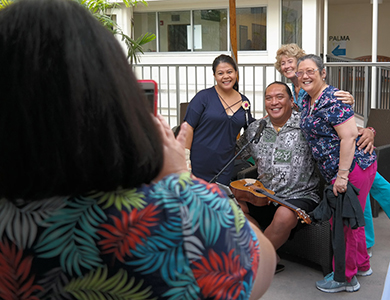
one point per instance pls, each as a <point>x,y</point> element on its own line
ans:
<point>292,22</point>
<point>145,22</point>
<point>251,28</point>
<point>173,31</point>
<point>210,30</point>
<point>202,30</point>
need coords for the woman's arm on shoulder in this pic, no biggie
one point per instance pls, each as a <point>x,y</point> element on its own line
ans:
<point>366,140</point>
<point>345,97</point>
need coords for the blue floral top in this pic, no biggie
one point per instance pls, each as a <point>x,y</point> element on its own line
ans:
<point>177,239</point>
<point>318,124</point>
<point>301,95</point>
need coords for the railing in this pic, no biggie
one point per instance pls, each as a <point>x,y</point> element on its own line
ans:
<point>179,83</point>
<point>355,77</point>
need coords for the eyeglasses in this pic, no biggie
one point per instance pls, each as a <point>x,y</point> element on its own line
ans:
<point>308,72</point>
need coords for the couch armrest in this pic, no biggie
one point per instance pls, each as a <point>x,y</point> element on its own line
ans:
<point>383,154</point>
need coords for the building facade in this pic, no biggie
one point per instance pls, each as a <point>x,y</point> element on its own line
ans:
<point>195,32</point>
<point>198,30</point>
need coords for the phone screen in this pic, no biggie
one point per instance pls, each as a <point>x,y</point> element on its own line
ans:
<point>150,89</point>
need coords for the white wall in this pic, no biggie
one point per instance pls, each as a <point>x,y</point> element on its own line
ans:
<point>355,21</point>
<point>309,26</point>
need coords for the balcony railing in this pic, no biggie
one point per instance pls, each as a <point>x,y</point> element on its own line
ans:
<point>180,83</point>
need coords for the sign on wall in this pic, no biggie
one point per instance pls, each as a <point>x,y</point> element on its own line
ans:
<point>338,45</point>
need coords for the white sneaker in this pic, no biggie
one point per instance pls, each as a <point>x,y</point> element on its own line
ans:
<point>364,273</point>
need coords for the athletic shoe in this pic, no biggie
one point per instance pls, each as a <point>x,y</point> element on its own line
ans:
<point>329,285</point>
<point>364,273</point>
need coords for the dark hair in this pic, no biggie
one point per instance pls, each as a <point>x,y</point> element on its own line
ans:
<point>72,115</point>
<point>223,58</point>
<point>315,58</point>
<point>280,83</point>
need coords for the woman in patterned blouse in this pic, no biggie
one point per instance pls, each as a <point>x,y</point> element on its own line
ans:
<point>330,129</point>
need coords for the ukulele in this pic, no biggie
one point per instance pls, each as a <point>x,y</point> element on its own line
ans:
<point>253,191</point>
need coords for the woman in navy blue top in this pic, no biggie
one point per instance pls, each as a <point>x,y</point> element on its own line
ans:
<point>216,116</point>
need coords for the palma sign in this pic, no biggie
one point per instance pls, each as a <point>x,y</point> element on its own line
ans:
<point>338,44</point>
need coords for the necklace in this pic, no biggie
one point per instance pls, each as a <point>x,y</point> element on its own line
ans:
<point>229,106</point>
<point>313,106</point>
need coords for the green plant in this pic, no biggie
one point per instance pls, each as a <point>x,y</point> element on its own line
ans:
<point>100,8</point>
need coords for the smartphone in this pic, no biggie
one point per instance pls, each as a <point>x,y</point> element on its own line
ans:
<point>150,89</point>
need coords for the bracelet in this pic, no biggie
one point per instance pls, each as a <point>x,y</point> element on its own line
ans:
<point>372,129</point>
<point>345,178</point>
<point>343,169</point>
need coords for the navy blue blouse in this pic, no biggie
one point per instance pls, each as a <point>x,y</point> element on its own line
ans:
<point>215,134</point>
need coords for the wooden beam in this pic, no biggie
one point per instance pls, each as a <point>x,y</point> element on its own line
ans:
<point>233,28</point>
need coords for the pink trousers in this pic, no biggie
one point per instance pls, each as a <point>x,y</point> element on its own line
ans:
<point>356,257</point>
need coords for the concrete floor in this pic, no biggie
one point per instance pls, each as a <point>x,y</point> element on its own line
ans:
<point>298,279</point>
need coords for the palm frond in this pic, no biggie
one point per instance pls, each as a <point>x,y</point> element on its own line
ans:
<point>63,238</point>
<point>98,285</point>
<point>20,224</point>
<point>5,3</point>
<point>136,46</point>
<point>128,198</point>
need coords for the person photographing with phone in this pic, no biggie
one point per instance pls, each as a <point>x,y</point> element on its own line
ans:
<point>96,199</point>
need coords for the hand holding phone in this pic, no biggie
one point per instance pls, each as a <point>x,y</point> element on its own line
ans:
<point>150,88</point>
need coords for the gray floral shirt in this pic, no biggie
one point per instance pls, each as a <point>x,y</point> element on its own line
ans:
<point>284,161</point>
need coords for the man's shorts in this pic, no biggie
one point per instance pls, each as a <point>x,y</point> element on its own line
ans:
<point>265,214</point>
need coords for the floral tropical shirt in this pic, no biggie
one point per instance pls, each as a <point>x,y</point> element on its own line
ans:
<point>283,159</point>
<point>318,126</point>
<point>179,238</point>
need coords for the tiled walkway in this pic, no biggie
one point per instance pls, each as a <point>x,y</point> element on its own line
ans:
<point>297,281</point>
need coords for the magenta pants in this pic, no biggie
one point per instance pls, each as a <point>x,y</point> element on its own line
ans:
<point>356,257</point>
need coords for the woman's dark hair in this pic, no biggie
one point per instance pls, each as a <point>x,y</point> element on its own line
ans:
<point>72,115</point>
<point>223,58</point>
<point>288,91</point>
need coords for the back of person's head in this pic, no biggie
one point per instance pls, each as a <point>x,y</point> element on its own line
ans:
<point>72,116</point>
<point>289,50</point>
